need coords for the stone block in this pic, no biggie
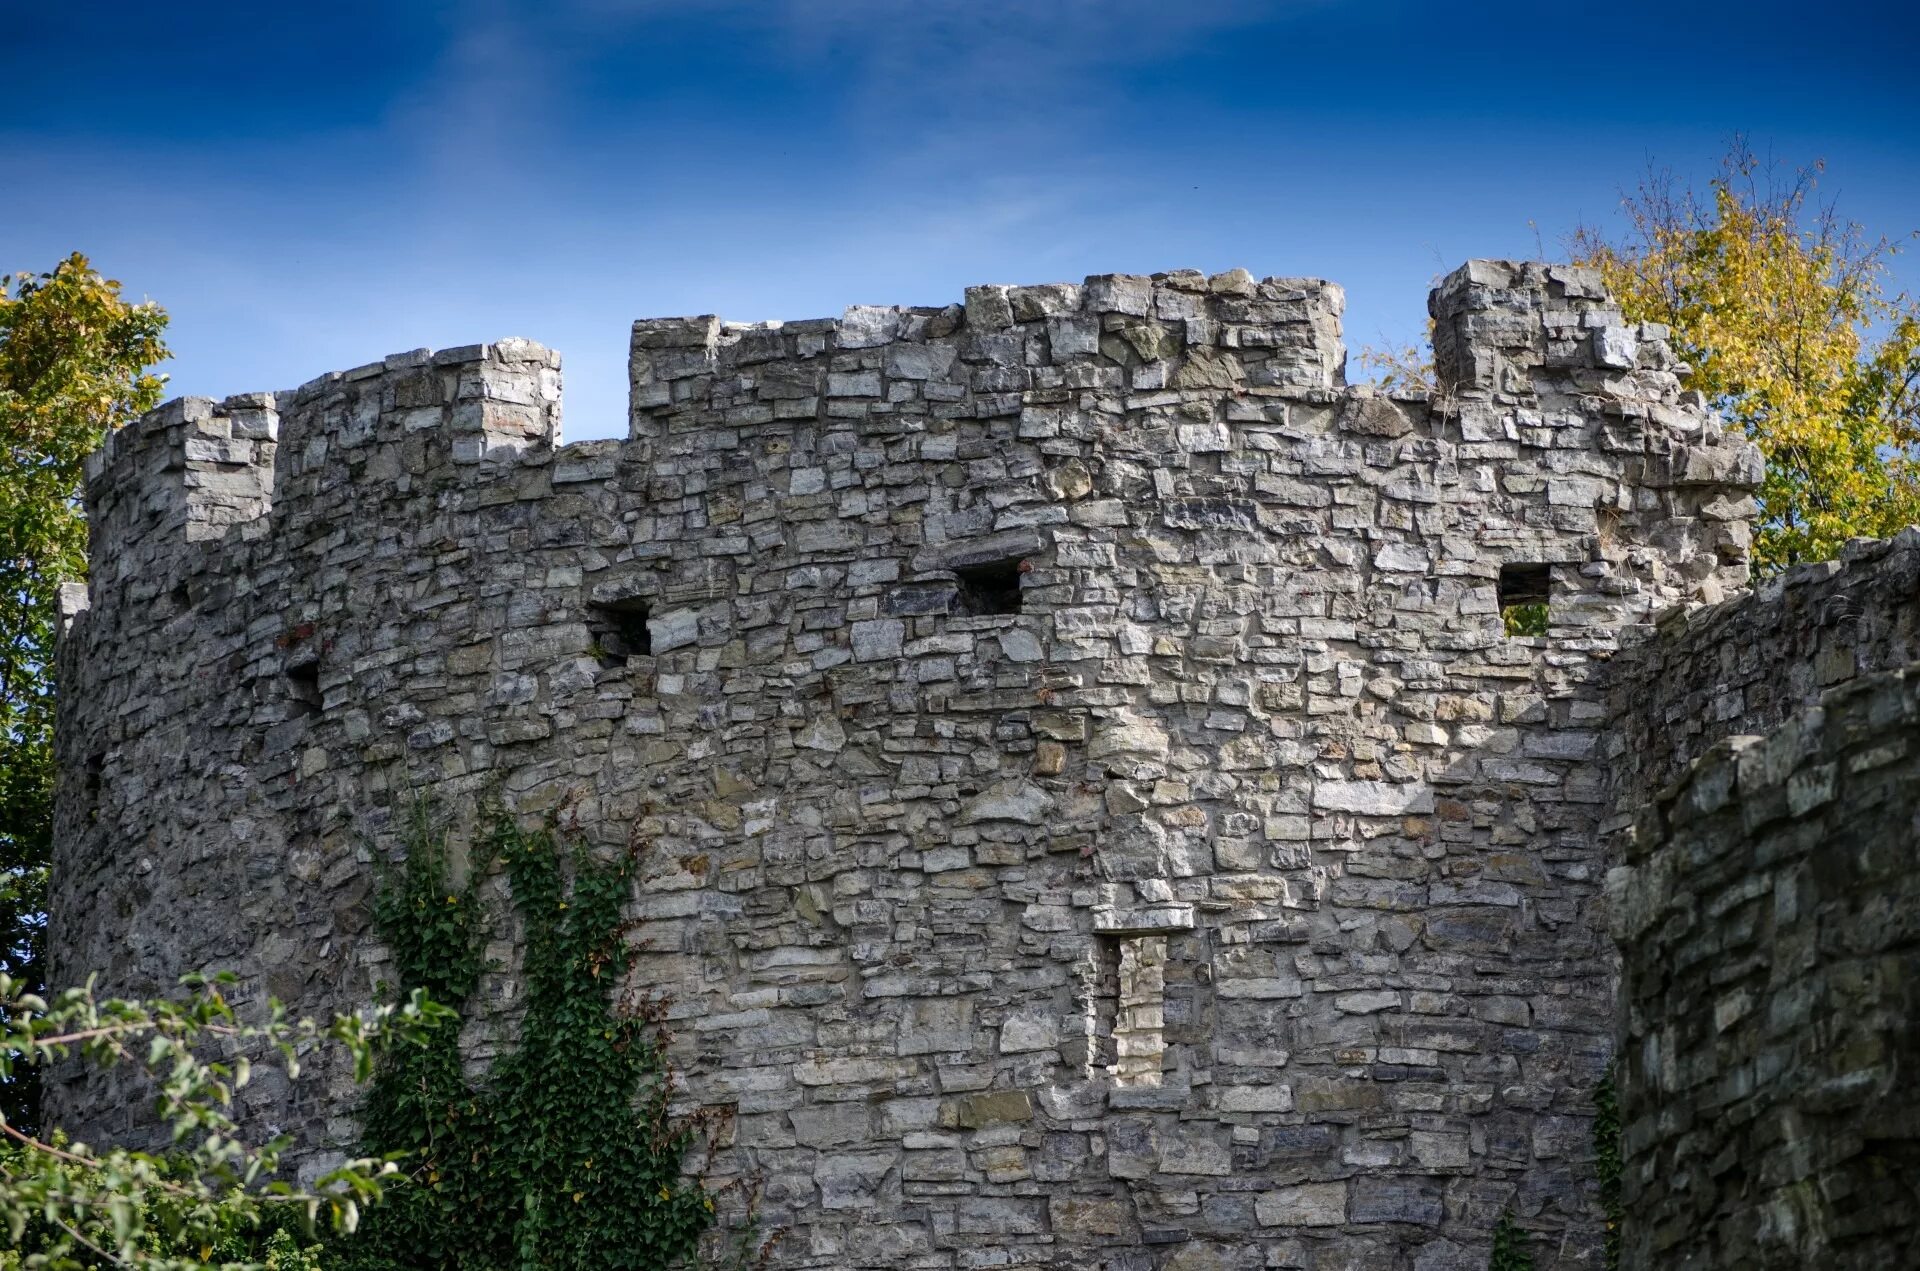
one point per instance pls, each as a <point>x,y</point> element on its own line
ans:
<point>1304,1205</point>
<point>997,1107</point>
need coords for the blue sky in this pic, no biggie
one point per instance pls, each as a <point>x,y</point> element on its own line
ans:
<point>307,187</point>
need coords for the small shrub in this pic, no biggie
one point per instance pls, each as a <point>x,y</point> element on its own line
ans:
<point>215,1199</point>
<point>1525,620</point>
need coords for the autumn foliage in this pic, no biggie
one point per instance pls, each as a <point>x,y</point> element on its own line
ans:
<point>1780,307</point>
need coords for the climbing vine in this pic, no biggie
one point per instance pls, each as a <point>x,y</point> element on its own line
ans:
<point>1511,1247</point>
<point>1606,1156</point>
<point>565,1157</point>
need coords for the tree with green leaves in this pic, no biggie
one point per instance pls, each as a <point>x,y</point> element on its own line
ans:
<point>1780,307</point>
<point>215,1200</point>
<point>75,362</point>
<point>1782,311</point>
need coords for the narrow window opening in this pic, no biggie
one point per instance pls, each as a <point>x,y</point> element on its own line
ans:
<point>1139,1026</point>
<point>1103,1006</point>
<point>96,767</point>
<point>303,688</point>
<point>990,588</point>
<point>182,598</point>
<point>619,629</point>
<point>1524,593</point>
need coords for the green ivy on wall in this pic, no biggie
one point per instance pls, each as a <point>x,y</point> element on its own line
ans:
<point>1606,1156</point>
<point>1511,1243</point>
<point>1512,1247</point>
<point>565,1156</point>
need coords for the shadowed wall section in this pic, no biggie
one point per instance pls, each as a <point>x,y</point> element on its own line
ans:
<point>1766,912</point>
<point>1091,808</point>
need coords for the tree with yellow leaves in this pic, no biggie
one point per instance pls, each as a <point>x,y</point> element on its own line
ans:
<point>75,362</point>
<point>1781,309</point>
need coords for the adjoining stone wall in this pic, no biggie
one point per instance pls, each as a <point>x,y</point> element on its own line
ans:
<point>1709,672</point>
<point>1765,799</point>
<point>1769,915</point>
<point>1232,901</point>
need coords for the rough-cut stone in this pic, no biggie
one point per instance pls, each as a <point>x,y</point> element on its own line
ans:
<point>1089,810</point>
<point>1376,417</point>
<point>1307,1205</point>
<point>1373,798</point>
<point>1081,1218</point>
<point>1766,914</point>
<point>1020,801</point>
<point>1027,1030</point>
<point>1397,1199</point>
<point>851,1181</point>
<point>971,1112</point>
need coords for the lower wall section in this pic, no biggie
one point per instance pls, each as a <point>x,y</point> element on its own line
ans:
<point>1769,920</point>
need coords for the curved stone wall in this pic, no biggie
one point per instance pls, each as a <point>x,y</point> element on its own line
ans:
<point>1092,808</point>
<point>1704,673</point>
<point>1765,836</point>
<point>1770,918</point>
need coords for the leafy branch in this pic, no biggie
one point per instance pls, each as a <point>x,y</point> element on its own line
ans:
<point>67,1205</point>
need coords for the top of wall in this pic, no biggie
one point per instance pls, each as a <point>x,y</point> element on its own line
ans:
<point>1703,673</point>
<point>1180,330</point>
<point>1528,356</point>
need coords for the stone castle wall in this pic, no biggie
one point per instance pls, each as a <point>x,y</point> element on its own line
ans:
<point>1769,920</point>
<point>1093,814</point>
<point>1770,915</point>
<point>1744,666</point>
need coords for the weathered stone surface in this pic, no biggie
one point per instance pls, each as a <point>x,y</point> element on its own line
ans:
<point>1256,1099</point>
<point>1766,914</point>
<point>1029,1029</point>
<point>851,1181</point>
<point>1376,417</point>
<point>1020,801</point>
<point>1373,798</point>
<point>1089,809</point>
<point>936,1024</point>
<point>1307,1205</point>
<point>1391,1198</point>
<point>1076,1218</point>
<point>1195,1148</point>
<point>971,1112</point>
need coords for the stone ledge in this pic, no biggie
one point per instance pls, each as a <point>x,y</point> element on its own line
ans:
<point>1113,920</point>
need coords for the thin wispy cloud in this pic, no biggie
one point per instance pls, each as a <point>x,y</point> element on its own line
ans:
<point>900,79</point>
<point>314,186</point>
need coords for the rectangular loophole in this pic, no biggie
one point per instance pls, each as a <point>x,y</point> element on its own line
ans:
<point>303,688</point>
<point>1103,1006</point>
<point>988,589</point>
<point>1139,1021</point>
<point>1525,591</point>
<point>619,629</point>
<point>96,770</point>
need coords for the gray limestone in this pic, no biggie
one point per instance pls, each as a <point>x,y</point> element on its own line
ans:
<point>1090,811</point>
<point>1766,905</point>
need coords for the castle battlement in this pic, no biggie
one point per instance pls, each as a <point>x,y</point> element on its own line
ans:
<point>1093,803</point>
<point>1149,368</point>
